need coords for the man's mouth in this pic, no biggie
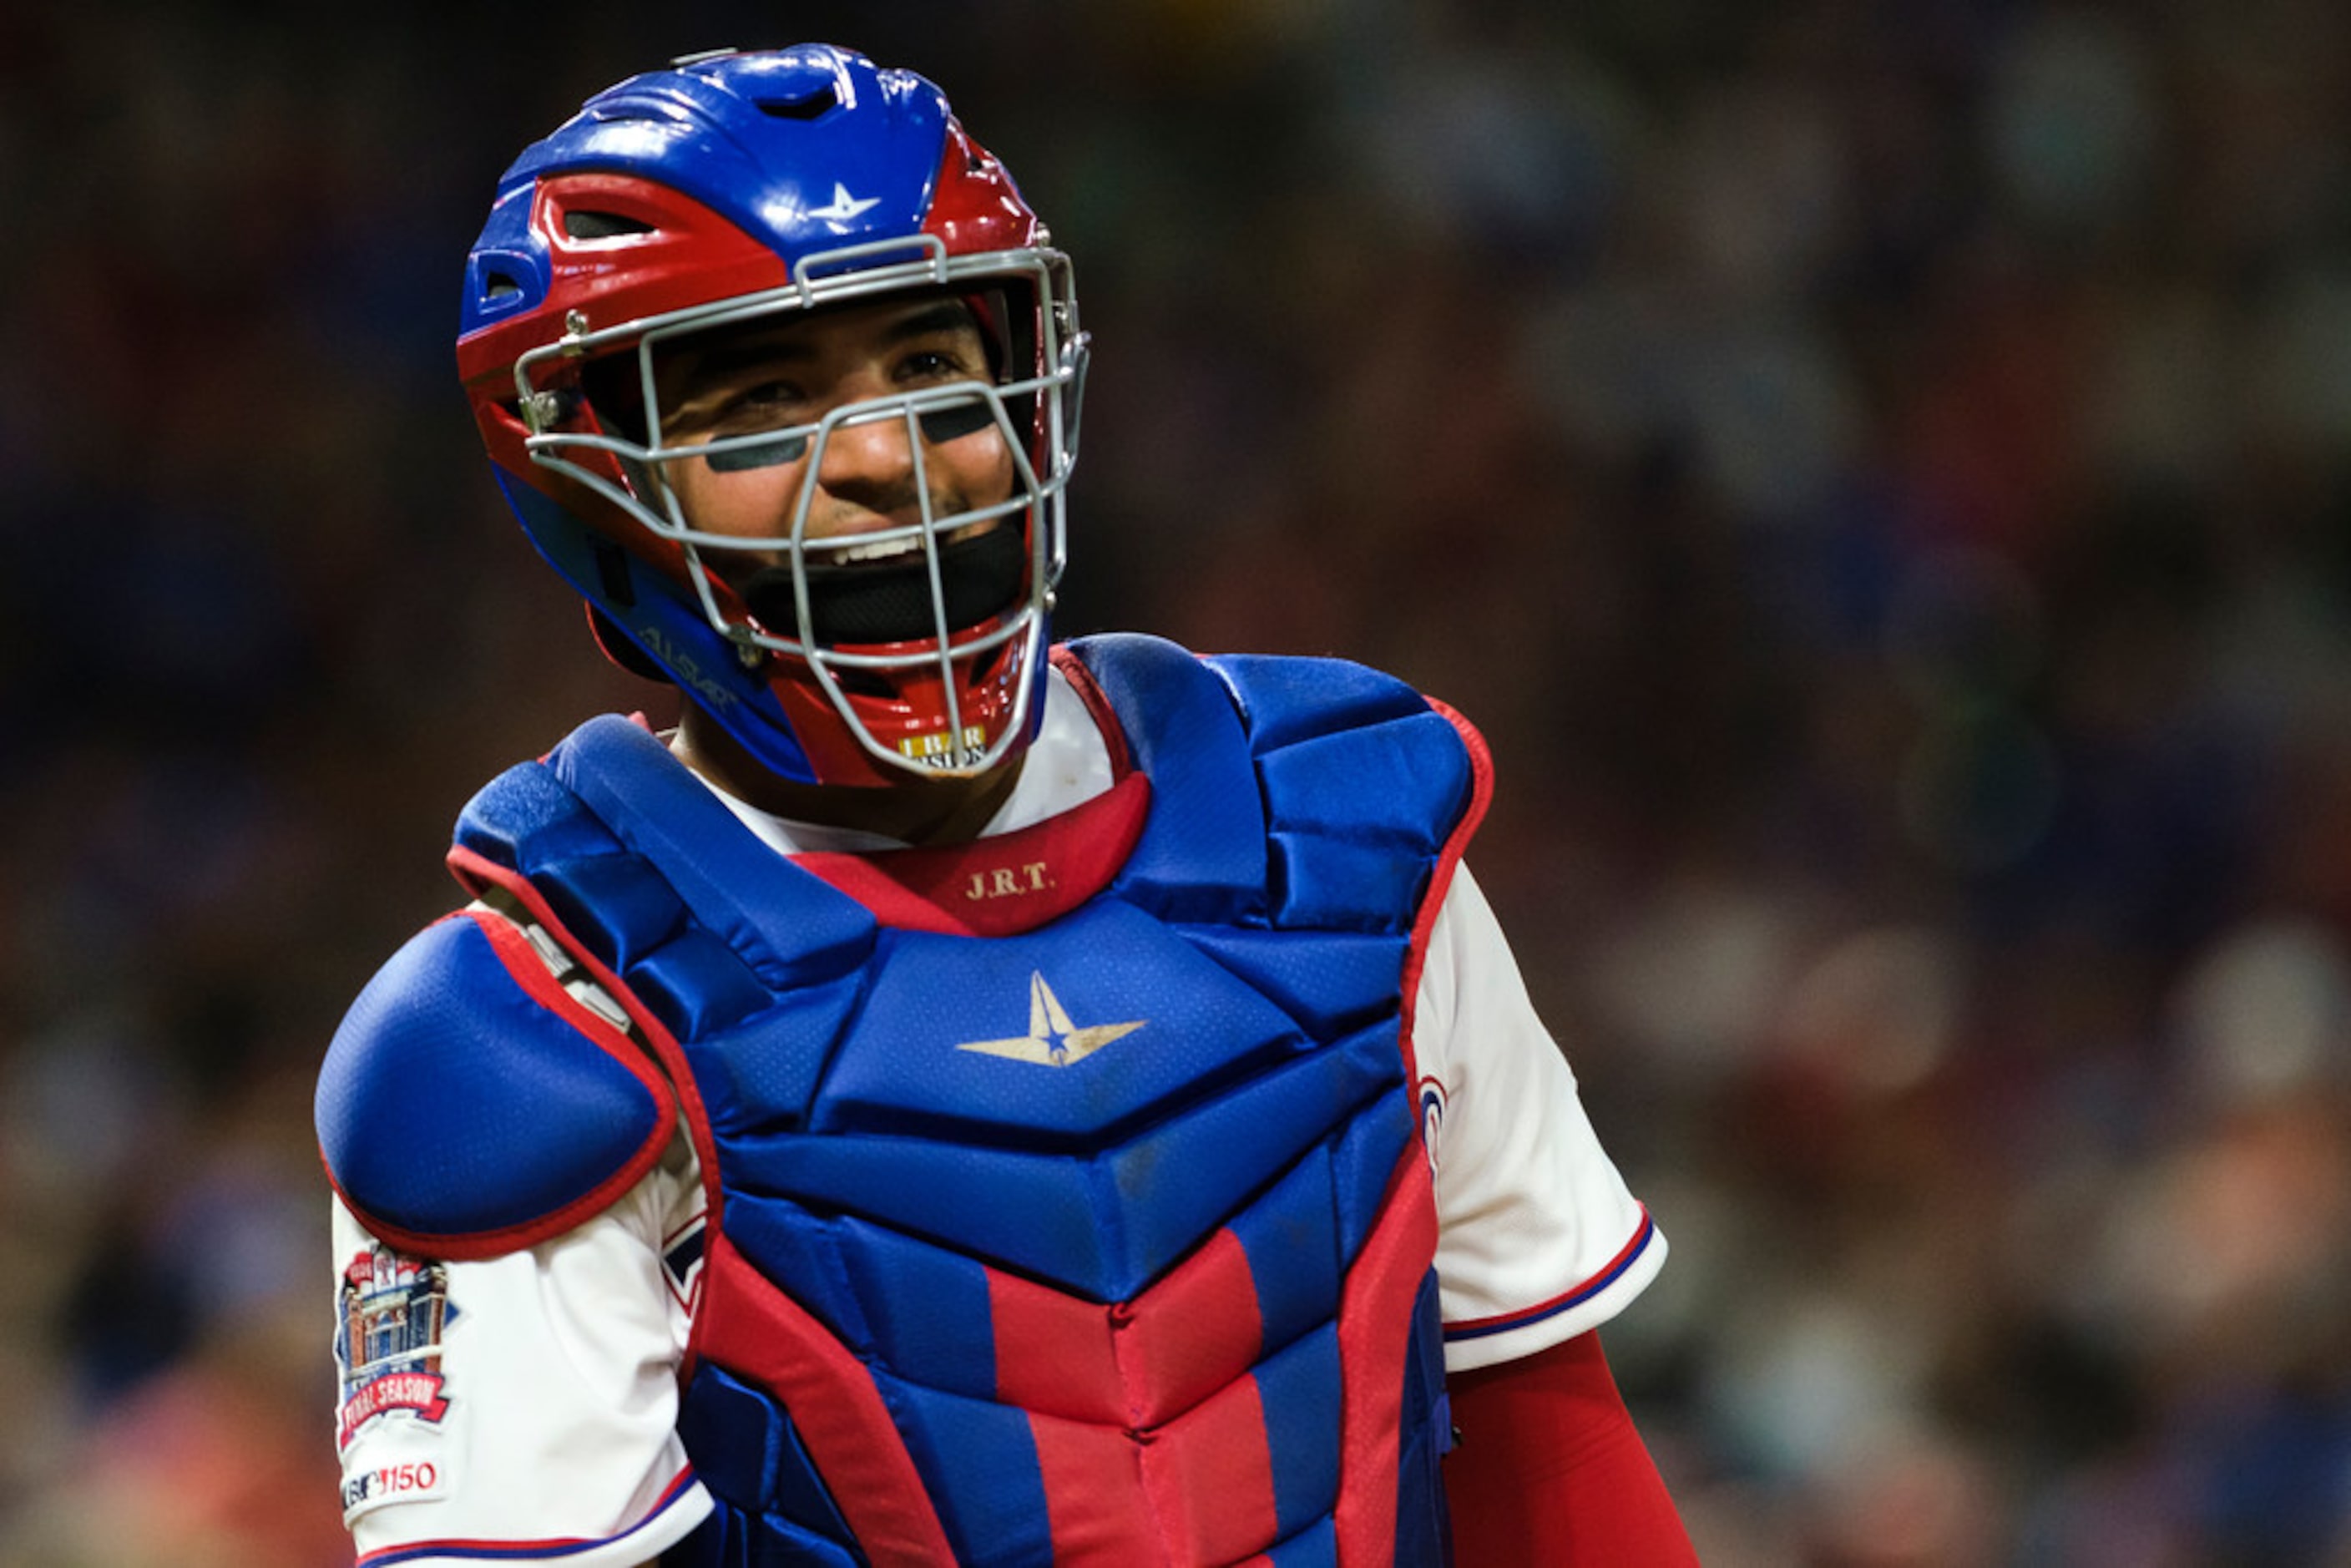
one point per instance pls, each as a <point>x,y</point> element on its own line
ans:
<point>882,592</point>
<point>889,550</point>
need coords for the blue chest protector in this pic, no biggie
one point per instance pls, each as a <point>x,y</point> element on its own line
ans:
<point>1102,1239</point>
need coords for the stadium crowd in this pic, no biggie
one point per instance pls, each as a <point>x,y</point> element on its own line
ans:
<point>1880,476</point>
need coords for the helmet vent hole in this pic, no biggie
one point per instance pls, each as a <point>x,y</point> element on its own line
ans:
<point>498,286</point>
<point>803,106</point>
<point>863,684</point>
<point>580,224</point>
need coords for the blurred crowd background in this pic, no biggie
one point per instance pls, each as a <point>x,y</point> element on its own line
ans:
<point>1878,474</point>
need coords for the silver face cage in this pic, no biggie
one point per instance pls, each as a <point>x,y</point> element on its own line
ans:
<point>826,278</point>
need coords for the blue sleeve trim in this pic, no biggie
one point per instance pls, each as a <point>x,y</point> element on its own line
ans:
<point>1482,1328</point>
<point>553,1549</point>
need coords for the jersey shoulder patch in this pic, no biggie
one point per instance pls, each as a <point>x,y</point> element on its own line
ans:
<point>470,1105</point>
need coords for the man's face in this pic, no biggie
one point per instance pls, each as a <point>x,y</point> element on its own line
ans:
<point>773,375</point>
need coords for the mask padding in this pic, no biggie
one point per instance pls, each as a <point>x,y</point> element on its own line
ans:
<point>981,577</point>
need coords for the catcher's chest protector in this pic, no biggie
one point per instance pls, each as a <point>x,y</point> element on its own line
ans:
<point>1069,1205</point>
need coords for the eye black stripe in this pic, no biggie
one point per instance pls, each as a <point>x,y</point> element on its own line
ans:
<point>942,424</point>
<point>760,454</point>
<point>939,425</point>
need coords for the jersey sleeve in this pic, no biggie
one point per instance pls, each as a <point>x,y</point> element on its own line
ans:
<point>520,1407</point>
<point>1538,1240</point>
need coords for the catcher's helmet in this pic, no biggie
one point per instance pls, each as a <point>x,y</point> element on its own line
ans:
<point>737,188</point>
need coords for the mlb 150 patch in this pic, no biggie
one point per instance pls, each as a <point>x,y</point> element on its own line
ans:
<point>411,1482</point>
<point>394,1309</point>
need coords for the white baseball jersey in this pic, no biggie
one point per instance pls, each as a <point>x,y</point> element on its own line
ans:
<point>523,1407</point>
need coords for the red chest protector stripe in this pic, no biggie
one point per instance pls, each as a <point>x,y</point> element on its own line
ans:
<point>1174,1366</point>
<point>1135,1364</point>
<point>761,1333</point>
<point>1375,1325</point>
<point>1093,1376</point>
<point>1449,860</point>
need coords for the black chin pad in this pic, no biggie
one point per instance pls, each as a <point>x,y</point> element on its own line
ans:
<point>891,601</point>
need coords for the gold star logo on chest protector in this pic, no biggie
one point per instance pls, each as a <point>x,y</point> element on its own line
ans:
<point>1052,1040</point>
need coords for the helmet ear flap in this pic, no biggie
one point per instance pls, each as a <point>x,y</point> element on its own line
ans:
<point>616,645</point>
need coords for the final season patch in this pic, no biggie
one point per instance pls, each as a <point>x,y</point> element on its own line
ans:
<point>388,1339</point>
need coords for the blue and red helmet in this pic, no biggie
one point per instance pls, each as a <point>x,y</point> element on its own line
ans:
<point>737,188</point>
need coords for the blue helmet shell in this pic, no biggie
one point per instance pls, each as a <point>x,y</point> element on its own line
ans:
<point>762,140</point>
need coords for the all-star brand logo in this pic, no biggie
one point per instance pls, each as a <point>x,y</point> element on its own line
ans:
<point>388,1339</point>
<point>1052,1040</point>
<point>685,666</point>
<point>843,206</point>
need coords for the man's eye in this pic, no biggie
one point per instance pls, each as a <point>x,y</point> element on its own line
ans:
<point>763,406</point>
<point>766,396</point>
<point>934,365</point>
<point>750,410</point>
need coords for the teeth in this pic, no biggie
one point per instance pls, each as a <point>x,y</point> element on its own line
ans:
<point>886,552</point>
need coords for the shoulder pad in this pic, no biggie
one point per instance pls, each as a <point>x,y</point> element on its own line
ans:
<point>1202,853</point>
<point>1303,792</point>
<point>470,1107</point>
<point>1370,789</point>
<point>1287,700</point>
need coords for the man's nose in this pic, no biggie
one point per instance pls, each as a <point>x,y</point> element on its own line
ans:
<point>868,460</point>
